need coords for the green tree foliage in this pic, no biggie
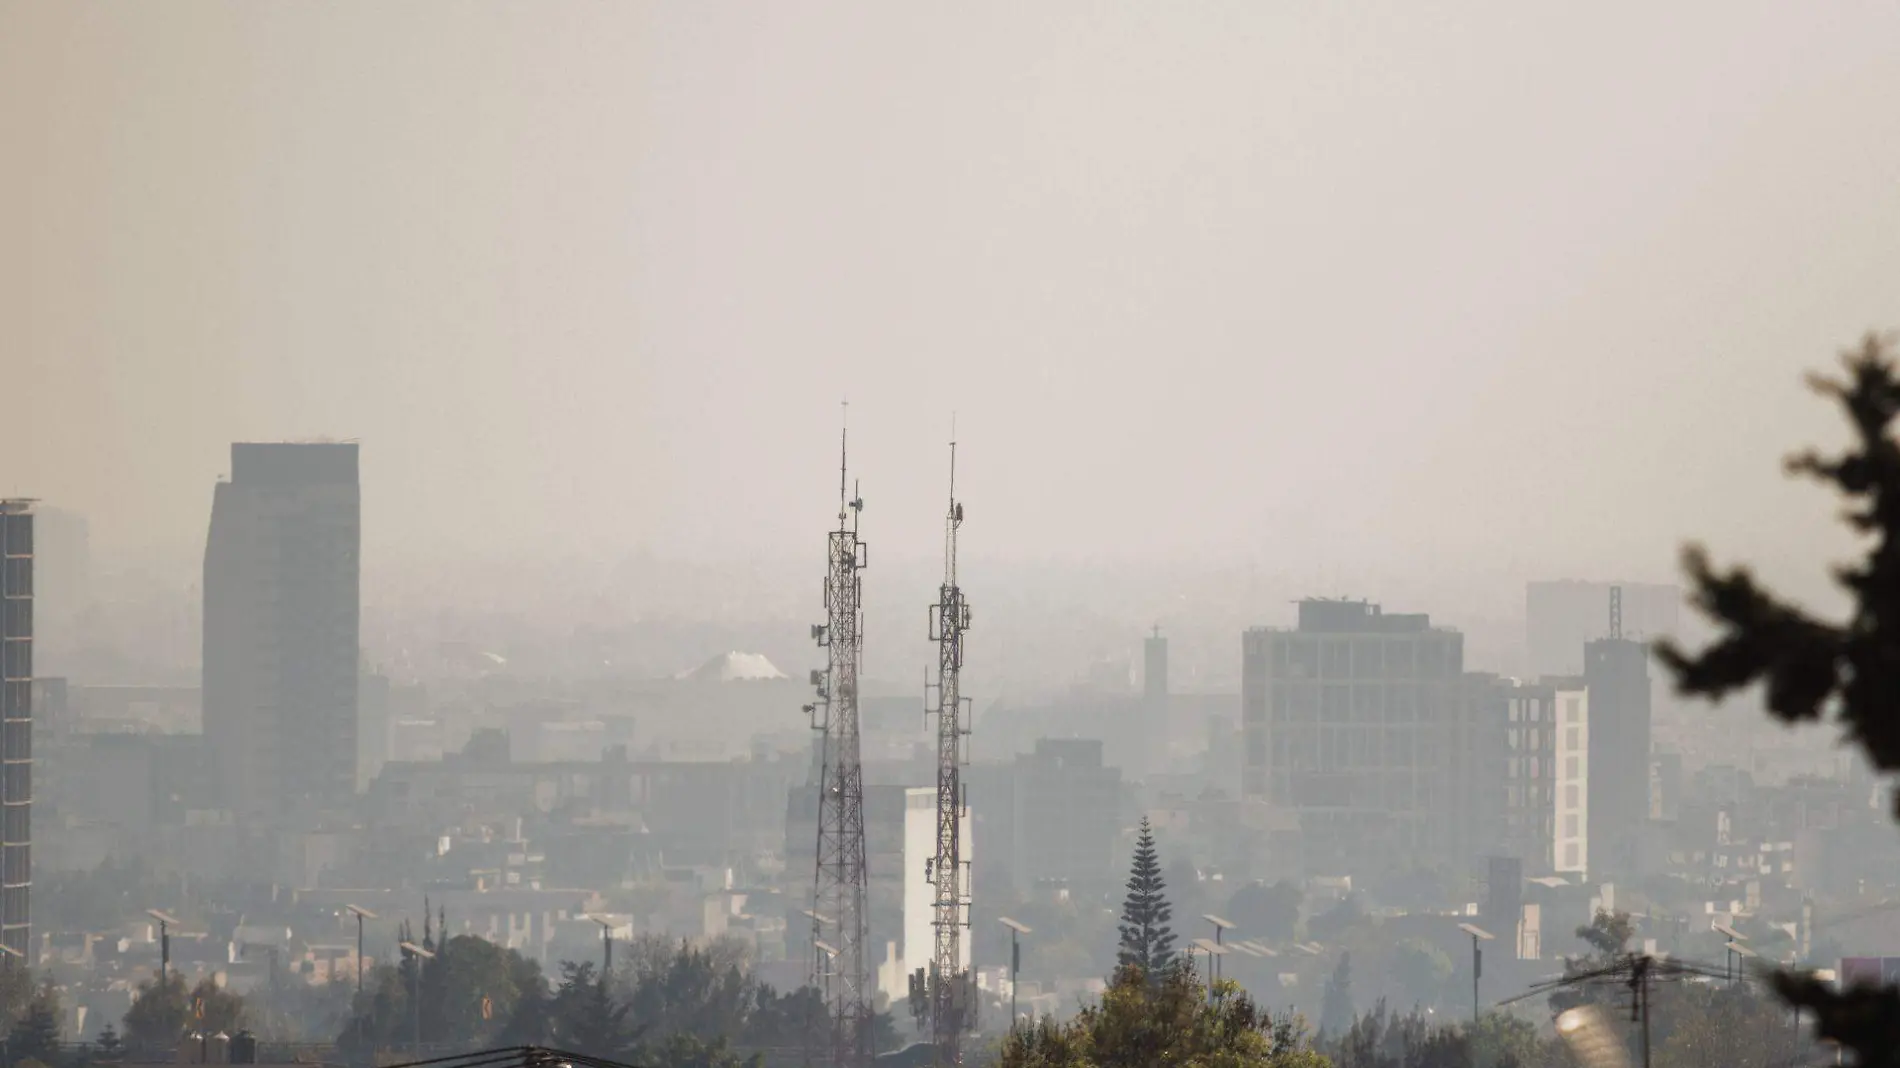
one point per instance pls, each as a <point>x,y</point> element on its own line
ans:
<point>110,1046</point>
<point>1704,1026</point>
<point>1381,1039</point>
<point>1336,1011</point>
<point>584,1016</point>
<point>1608,937</point>
<point>690,1051</point>
<point>157,1016</point>
<point>16,989</point>
<point>36,1033</point>
<point>1269,912</point>
<point>1147,942</point>
<point>690,991</point>
<point>1334,923</point>
<point>1169,1020</point>
<point>468,973</point>
<point>672,1005</point>
<point>163,1013</point>
<point>294,1011</point>
<point>1421,970</point>
<point>214,1010</point>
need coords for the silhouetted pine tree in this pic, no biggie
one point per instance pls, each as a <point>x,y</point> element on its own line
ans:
<point>36,1035</point>
<point>1147,941</point>
<point>1336,1012</point>
<point>1813,670</point>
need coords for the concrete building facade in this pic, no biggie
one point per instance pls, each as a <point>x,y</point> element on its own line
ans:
<point>1365,725</point>
<point>1616,671</point>
<point>282,593</point>
<point>16,729</point>
<point>1546,811</point>
<point>920,848</point>
<point>1067,817</point>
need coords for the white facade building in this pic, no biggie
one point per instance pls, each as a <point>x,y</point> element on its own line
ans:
<point>920,849</point>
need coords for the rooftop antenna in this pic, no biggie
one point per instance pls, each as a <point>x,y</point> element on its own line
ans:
<point>948,982</point>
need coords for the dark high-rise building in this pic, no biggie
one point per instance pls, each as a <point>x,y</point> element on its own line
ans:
<point>16,728</point>
<point>1366,726</point>
<point>282,591</point>
<point>1616,674</point>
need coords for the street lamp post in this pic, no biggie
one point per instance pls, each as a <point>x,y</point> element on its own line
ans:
<point>165,923</point>
<point>415,985</point>
<point>361,915</point>
<point>606,945</point>
<point>1015,963</point>
<point>1478,935</point>
<point>1214,953</point>
<point>1219,926</point>
<point>1735,940</point>
<point>1742,955</point>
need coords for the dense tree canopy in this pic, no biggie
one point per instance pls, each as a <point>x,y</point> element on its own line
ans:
<point>1173,1021</point>
<point>164,1012</point>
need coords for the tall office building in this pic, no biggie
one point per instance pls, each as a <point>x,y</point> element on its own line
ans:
<point>1560,617</point>
<point>62,581</point>
<point>1616,673</point>
<point>1154,673</point>
<point>1546,807</point>
<point>16,729</point>
<point>281,615</point>
<point>1365,725</point>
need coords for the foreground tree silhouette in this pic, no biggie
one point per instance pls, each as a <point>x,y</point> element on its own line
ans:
<point>1147,940</point>
<point>1814,670</point>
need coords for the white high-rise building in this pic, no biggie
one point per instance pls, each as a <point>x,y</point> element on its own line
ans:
<point>1570,849</point>
<point>920,850</point>
<point>1546,813</point>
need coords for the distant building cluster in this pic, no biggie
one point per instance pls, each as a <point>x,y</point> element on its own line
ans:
<point>1362,759</point>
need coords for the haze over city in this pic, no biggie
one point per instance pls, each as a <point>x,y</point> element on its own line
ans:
<point>1240,313</point>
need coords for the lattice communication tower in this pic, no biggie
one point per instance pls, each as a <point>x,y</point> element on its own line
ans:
<point>948,984</point>
<point>838,887</point>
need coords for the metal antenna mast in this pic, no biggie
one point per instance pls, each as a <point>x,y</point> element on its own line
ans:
<point>948,986</point>
<point>838,887</point>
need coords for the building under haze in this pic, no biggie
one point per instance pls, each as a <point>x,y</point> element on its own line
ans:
<point>1616,672</point>
<point>920,890</point>
<point>16,728</point>
<point>1365,725</point>
<point>1546,809</point>
<point>1561,617</point>
<point>281,615</point>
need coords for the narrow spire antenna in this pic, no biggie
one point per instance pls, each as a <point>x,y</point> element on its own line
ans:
<point>844,431</point>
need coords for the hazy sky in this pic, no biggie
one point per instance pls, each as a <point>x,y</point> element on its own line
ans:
<point>1504,289</point>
